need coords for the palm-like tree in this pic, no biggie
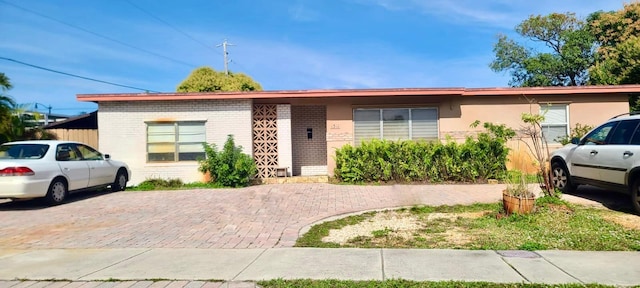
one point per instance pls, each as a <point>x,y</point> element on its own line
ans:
<point>6,107</point>
<point>6,102</point>
<point>5,84</point>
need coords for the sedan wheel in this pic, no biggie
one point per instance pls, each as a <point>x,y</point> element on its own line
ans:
<point>57,192</point>
<point>120,182</point>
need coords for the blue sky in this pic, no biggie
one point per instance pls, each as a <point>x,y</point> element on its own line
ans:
<point>295,44</point>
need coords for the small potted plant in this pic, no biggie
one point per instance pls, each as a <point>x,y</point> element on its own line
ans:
<point>517,198</point>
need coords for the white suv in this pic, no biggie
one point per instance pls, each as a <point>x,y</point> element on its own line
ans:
<point>607,157</point>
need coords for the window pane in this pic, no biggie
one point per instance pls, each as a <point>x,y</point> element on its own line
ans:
<point>424,124</point>
<point>635,140</point>
<point>553,132</point>
<point>555,122</point>
<point>161,148</point>
<point>89,153</point>
<point>599,135</point>
<point>191,132</point>
<point>555,114</point>
<point>366,125</point>
<point>190,147</point>
<point>161,133</point>
<point>191,156</point>
<point>161,157</point>
<point>23,151</point>
<point>395,124</point>
<point>623,132</point>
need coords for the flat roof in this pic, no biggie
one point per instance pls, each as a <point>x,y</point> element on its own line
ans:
<point>331,93</point>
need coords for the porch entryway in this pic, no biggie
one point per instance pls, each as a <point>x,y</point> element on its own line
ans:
<point>309,140</point>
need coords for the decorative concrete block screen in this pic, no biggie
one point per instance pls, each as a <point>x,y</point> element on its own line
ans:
<point>265,139</point>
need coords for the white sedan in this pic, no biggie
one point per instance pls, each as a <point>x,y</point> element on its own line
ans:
<point>51,169</point>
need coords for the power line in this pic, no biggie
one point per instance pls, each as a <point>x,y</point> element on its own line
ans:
<point>171,26</point>
<point>186,35</point>
<point>76,76</point>
<point>98,35</point>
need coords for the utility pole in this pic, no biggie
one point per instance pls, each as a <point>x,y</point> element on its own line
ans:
<point>226,53</point>
<point>46,116</point>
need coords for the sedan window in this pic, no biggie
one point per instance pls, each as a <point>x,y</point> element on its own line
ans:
<point>89,153</point>
<point>23,151</point>
<point>67,152</point>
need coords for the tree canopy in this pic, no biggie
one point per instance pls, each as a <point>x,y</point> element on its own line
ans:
<point>617,34</point>
<point>6,102</point>
<point>5,84</point>
<point>15,123</point>
<point>6,106</point>
<point>569,52</point>
<point>206,79</point>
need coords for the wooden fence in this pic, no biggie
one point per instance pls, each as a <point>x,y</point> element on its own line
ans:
<point>87,136</point>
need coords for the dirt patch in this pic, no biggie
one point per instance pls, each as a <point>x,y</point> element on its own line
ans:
<point>457,236</point>
<point>453,216</point>
<point>387,221</point>
<point>560,208</point>
<point>400,224</point>
<point>625,220</point>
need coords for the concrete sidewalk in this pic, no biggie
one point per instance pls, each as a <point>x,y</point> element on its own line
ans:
<point>189,267</point>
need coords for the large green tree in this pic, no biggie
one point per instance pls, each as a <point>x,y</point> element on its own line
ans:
<point>567,54</point>
<point>15,123</point>
<point>206,79</point>
<point>618,37</point>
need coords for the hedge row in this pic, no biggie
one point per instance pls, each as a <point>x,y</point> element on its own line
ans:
<point>475,160</point>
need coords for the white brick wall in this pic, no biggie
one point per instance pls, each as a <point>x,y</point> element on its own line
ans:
<point>313,170</point>
<point>285,156</point>
<point>309,155</point>
<point>122,132</point>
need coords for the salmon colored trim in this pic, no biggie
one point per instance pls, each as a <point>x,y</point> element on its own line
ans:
<point>615,89</point>
<point>612,89</point>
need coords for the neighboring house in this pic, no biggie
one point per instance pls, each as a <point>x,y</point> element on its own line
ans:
<point>159,135</point>
<point>42,119</point>
<point>82,128</point>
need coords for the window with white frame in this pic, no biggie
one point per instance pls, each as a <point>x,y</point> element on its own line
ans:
<point>395,124</point>
<point>175,141</point>
<point>556,121</point>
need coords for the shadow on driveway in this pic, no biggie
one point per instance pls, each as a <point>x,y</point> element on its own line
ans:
<point>40,203</point>
<point>612,200</point>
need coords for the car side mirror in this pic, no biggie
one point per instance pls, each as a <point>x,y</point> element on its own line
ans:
<point>107,156</point>
<point>575,140</point>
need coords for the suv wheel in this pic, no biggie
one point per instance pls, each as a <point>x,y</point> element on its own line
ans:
<point>635,195</point>
<point>561,178</point>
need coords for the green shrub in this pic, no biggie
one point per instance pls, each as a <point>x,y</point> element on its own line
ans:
<point>420,161</point>
<point>159,184</point>
<point>577,132</point>
<point>229,167</point>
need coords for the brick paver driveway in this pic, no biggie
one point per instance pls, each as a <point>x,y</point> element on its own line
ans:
<point>255,217</point>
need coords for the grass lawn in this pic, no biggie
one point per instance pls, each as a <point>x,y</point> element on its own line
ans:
<point>554,225</point>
